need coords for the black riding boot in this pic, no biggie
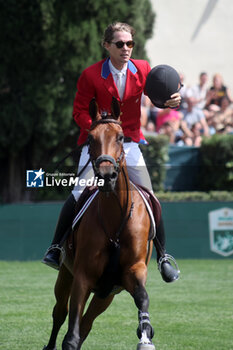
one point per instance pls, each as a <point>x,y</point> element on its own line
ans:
<point>168,272</point>
<point>52,256</point>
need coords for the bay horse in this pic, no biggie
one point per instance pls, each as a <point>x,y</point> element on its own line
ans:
<point>111,246</point>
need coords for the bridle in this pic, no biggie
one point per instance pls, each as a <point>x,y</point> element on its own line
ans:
<point>116,164</point>
<point>105,157</point>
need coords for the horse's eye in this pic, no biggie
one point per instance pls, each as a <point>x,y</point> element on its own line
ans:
<point>120,138</point>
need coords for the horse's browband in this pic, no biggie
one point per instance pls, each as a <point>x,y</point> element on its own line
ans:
<point>104,121</point>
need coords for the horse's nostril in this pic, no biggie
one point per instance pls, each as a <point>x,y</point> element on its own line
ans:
<point>100,176</point>
<point>114,175</point>
<point>108,177</point>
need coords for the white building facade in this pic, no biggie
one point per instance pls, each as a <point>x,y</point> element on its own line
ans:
<point>194,36</point>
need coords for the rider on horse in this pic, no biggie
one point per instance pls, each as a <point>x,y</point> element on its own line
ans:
<point>124,78</point>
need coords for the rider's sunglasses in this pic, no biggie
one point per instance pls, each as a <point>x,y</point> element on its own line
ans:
<point>120,44</point>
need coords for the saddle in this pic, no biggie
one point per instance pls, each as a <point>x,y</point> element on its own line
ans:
<point>154,206</point>
<point>151,202</point>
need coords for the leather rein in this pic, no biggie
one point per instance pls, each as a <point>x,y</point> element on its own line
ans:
<point>117,168</point>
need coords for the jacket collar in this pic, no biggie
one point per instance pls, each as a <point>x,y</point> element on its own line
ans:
<point>106,70</point>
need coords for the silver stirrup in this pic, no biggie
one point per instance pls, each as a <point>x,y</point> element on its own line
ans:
<point>170,259</point>
<point>62,252</point>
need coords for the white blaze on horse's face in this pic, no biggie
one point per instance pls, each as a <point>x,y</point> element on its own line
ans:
<point>106,139</point>
<point>112,140</point>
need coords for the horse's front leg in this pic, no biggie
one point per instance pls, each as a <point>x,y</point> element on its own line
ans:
<point>62,293</point>
<point>135,281</point>
<point>79,295</point>
<point>95,308</point>
<point>145,331</point>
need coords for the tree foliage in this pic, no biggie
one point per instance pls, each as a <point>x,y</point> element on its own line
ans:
<point>217,163</point>
<point>45,45</point>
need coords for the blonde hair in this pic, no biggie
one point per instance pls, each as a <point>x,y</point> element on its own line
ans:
<point>217,76</point>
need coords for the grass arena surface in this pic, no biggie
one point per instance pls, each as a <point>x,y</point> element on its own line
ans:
<point>195,313</point>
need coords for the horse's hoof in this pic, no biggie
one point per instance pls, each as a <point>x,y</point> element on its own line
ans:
<point>46,348</point>
<point>145,346</point>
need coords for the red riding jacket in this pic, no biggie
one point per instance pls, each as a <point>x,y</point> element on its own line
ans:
<point>97,81</point>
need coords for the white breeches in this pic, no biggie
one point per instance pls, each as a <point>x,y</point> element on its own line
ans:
<point>136,167</point>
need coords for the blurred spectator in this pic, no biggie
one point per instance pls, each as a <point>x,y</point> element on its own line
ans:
<point>150,127</point>
<point>222,120</point>
<point>198,92</point>
<point>168,130</point>
<point>194,124</point>
<point>169,121</point>
<point>168,115</point>
<point>216,93</point>
<point>196,137</point>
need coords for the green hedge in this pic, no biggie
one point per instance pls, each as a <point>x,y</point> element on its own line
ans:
<point>156,156</point>
<point>212,196</point>
<point>217,163</point>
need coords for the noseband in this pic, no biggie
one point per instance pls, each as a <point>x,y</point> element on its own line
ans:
<point>105,157</point>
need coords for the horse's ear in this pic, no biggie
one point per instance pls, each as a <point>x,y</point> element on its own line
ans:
<point>94,110</point>
<point>115,108</point>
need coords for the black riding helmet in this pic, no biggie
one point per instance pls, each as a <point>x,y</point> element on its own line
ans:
<point>161,83</point>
